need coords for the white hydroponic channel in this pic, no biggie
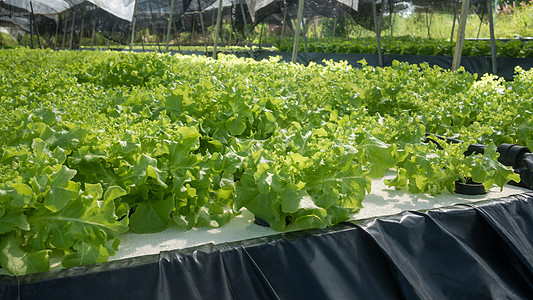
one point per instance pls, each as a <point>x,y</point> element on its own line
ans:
<point>382,201</point>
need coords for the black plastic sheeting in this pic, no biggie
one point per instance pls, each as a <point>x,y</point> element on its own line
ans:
<point>477,251</point>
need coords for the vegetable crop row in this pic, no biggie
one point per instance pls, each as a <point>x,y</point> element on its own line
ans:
<point>414,46</point>
<point>93,144</point>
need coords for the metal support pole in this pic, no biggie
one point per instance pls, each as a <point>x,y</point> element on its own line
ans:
<point>392,18</point>
<point>201,18</point>
<point>36,28</point>
<point>495,9</point>
<point>153,26</point>
<point>64,33</point>
<point>299,19</point>
<point>133,25</point>
<point>428,24</point>
<point>481,21</point>
<point>454,18</point>
<point>57,31</point>
<point>305,40</point>
<point>72,31</point>
<point>492,38</point>
<point>178,38</point>
<point>92,37</point>
<point>378,32</point>
<point>261,35</point>
<point>460,36</point>
<point>31,31</point>
<point>81,32</point>
<point>246,28</point>
<point>203,29</point>
<point>284,20</point>
<point>193,27</point>
<point>169,27</point>
<point>217,29</point>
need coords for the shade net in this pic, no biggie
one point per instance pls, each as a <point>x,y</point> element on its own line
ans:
<point>113,19</point>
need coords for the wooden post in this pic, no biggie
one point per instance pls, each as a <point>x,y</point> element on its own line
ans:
<point>378,32</point>
<point>492,38</point>
<point>169,26</point>
<point>133,25</point>
<point>460,36</point>
<point>299,19</point>
<point>217,29</point>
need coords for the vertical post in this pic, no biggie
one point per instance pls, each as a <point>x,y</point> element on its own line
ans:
<point>495,9</point>
<point>57,31</point>
<point>305,40</point>
<point>284,20</point>
<point>31,30</point>
<point>72,31</point>
<point>169,27</point>
<point>211,39</point>
<point>428,25</point>
<point>246,28</point>
<point>64,32</point>
<point>36,28</point>
<point>492,39</point>
<point>193,27</point>
<point>460,36</point>
<point>92,38</point>
<point>81,32</point>
<point>481,21</point>
<point>299,19</point>
<point>378,32</point>
<point>217,29</point>
<point>455,18</point>
<point>178,38</point>
<point>203,27</point>
<point>392,18</point>
<point>261,34</point>
<point>153,26</point>
<point>201,18</point>
<point>133,25</point>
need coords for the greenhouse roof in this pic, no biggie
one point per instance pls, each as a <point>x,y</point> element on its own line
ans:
<point>120,8</point>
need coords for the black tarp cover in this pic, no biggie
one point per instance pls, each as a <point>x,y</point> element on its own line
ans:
<point>475,251</point>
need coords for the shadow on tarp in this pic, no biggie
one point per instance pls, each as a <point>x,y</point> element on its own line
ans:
<point>475,251</point>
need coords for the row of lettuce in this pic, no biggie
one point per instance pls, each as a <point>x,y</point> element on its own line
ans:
<point>93,144</point>
<point>407,45</point>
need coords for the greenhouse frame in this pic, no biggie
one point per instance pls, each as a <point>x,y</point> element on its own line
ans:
<point>265,149</point>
